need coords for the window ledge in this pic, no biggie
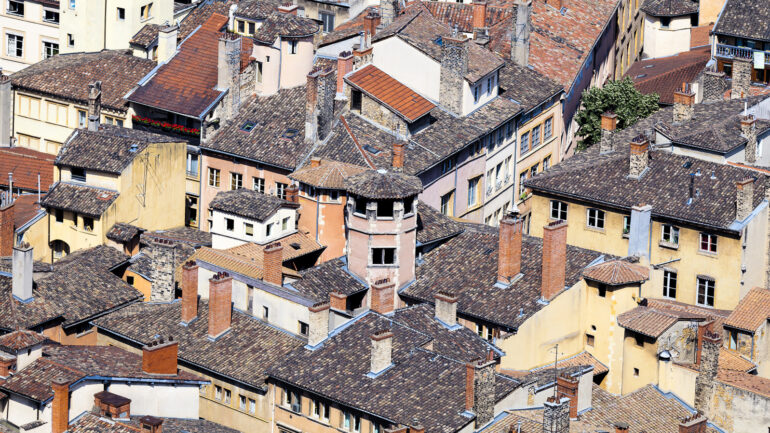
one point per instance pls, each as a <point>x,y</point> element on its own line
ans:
<point>707,254</point>
<point>669,245</point>
<point>596,229</point>
<point>626,236</point>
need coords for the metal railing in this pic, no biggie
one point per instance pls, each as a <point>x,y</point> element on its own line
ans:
<point>731,52</point>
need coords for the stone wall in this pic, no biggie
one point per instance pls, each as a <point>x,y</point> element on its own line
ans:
<point>556,416</point>
<point>454,66</point>
<point>709,363</point>
<point>484,393</point>
<point>373,110</point>
<point>163,257</point>
<point>714,86</point>
<point>741,78</point>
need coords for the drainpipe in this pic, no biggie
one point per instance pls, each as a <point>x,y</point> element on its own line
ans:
<point>317,215</point>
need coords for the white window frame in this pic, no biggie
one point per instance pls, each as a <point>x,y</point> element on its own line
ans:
<point>597,220</point>
<point>710,245</point>
<point>669,283</point>
<point>669,234</point>
<point>704,283</point>
<point>558,209</point>
<point>17,38</point>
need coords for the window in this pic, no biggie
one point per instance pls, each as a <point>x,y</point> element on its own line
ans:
<point>293,47</point>
<point>346,421</point>
<point>285,224</point>
<point>265,313</point>
<point>524,146</point>
<point>376,427</point>
<point>522,179</point>
<point>146,11</point>
<point>15,47</point>
<point>327,20</point>
<point>51,16</point>
<point>268,229</point>
<point>88,224</point>
<point>476,94</point>
<point>192,164</point>
<point>292,398</point>
<point>334,196</point>
<point>639,340</point>
<point>192,210</point>
<point>242,402</point>
<point>536,136</point>
<point>548,128</point>
<point>360,206</point>
<point>252,406</point>
<point>489,85</point>
<point>447,203</point>
<point>509,130</point>
<point>29,107</point>
<point>447,165</point>
<point>303,328</point>
<point>595,218</point>
<point>602,290</point>
<point>546,163</point>
<point>636,372</point>
<point>227,396</point>
<point>217,392</point>
<point>78,174</point>
<point>258,184</point>
<point>121,14</point>
<point>280,190</point>
<point>669,234</point>
<point>590,340</point>
<point>251,28</point>
<point>708,242</point>
<point>473,191</point>
<point>56,113</point>
<point>626,225</point>
<point>533,171</point>
<point>356,423</point>
<point>16,7</point>
<point>50,49</point>
<point>59,215</point>
<point>558,210</point>
<point>230,224</point>
<point>214,177</point>
<point>665,22</point>
<point>236,181</point>
<point>383,256</point>
<point>70,38</point>
<point>241,26</point>
<point>72,4</point>
<point>384,209</point>
<point>706,291</point>
<point>669,284</point>
<point>259,72</point>
<point>248,229</point>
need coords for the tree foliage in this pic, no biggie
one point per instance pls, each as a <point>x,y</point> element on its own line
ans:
<point>620,97</point>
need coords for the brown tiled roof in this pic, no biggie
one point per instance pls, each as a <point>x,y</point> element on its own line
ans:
<point>247,259</point>
<point>146,36</point>
<point>20,339</point>
<point>468,263</point>
<point>256,9</point>
<point>26,165</point>
<point>328,174</point>
<point>603,179</point>
<point>187,83</point>
<point>421,384</point>
<point>665,75</point>
<point>110,149</point>
<point>349,28</point>
<point>77,362</point>
<point>242,354</point>
<point>400,99</point>
<point>420,29</point>
<point>461,15</point>
<point>745,19</point>
<point>67,76</point>
<point>187,235</point>
<point>121,232</point>
<point>198,16</point>
<point>286,26</point>
<point>524,85</point>
<point>25,207</point>
<point>383,184</point>
<point>730,360</point>
<point>617,273</point>
<point>318,282</point>
<point>700,36</point>
<point>580,359</point>
<point>249,203</point>
<point>92,423</point>
<point>278,137</point>
<point>749,382</point>
<point>669,8</point>
<point>433,226</point>
<point>83,199</point>
<point>654,318</point>
<point>751,312</point>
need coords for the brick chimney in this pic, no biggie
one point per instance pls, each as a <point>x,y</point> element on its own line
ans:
<point>707,370</point>
<point>741,78</point>
<point>484,392</point>
<point>714,86</point>
<point>7,366</point>
<point>509,249</point>
<point>189,292</point>
<point>315,161</point>
<point>446,307</point>
<point>6,230</point>
<point>22,269</point>
<point>383,296</point>
<point>398,154</point>
<point>371,21</point>
<point>112,405</point>
<point>745,198</point>
<point>319,104</point>
<point>160,357</point>
<point>684,100</point>
<point>167,37</point>
<point>338,301</point>
<point>291,193</point>
<point>520,33</point>
<point>621,427</point>
<point>382,350</point>
<point>470,380</point>
<point>229,73</point>
<point>554,267</point>
<point>220,304</point>
<point>344,65</point>
<point>60,408</point>
<point>151,424</point>
<point>319,323</point>
<point>749,131</point>
<point>567,387</point>
<point>94,105</point>
<point>639,156</point>
<point>556,415</point>
<point>695,423</point>
<point>479,14</point>
<point>273,264</point>
<point>454,66</point>
<point>609,124</point>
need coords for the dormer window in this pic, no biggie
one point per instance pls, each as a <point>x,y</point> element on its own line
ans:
<point>78,174</point>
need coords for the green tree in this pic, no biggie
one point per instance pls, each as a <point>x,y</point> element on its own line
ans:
<point>620,97</point>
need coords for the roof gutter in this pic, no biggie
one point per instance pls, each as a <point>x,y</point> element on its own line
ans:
<point>222,152</point>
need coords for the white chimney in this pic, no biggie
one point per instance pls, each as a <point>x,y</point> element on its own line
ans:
<point>22,272</point>
<point>167,37</point>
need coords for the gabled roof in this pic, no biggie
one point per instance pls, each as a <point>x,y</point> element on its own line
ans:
<point>249,203</point>
<point>580,359</point>
<point>20,339</point>
<point>433,226</point>
<point>67,76</point>
<point>403,101</point>
<point>25,208</point>
<point>121,232</point>
<point>617,273</point>
<point>26,165</point>
<point>286,26</point>
<point>255,9</point>
<point>669,8</point>
<point>328,174</point>
<point>83,199</point>
<point>525,86</point>
<point>665,75</point>
<point>146,36</point>
<point>90,422</point>
<point>187,83</point>
<point>751,312</point>
<point>748,19</point>
<point>655,316</point>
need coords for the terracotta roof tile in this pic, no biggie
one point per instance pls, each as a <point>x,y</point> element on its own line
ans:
<point>751,312</point>
<point>655,316</point>
<point>749,382</point>
<point>20,340</point>
<point>284,25</point>
<point>83,199</point>
<point>26,165</point>
<point>121,232</point>
<point>581,359</point>
<point>617,273</point>
<point>730,360</point>
<point>92,423</point>
<point>25,207</point>
<point>400,99</point>
<point>328,174</point>
<point>665,75</point>
<point>700,36</point>
<point>249,203</point>
<point>146,36</point>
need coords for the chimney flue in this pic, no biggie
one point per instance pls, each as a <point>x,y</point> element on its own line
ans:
<point>609,124</point>
<point>319,104</point>
<point>94,105</point>
<point>744,199</point>
<point>695,423</point>
<point>479,14</point>
<point>521,30</point>
<point>319,323</point>
<point>344,65</point>
<point>707,371</point>
<point>638,157</point>
<point>714,86</point>
<point>398,155</point>
<point>556,415</point>
<point>315,161</point>
<point>454,66</point>
<point>484,392</point>
<point>228,73</point>
<point>446,308</point>
<point>273,264</point>
<point>684,101</point>
<point>509,249</point>
<point>554,266</point>
<point>220,304</point>
<point>167,37</point>
<point>749,131</point>
<point>567,387</point>
<point>160,358</point>
<point>383,296</point>
<point>741,78</point>
<point>60,408</point>
<point>371,21</point>
<point>382,348</point>
<point>291,193</point>
<point>189,292</point>
<point>22,269</point>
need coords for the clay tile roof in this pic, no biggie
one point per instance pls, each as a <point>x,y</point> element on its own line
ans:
<point>433,226</point>
<point>745,18</point>
<point>25,208</point>
<point>121,232</point>
<point>670,8</point>
<point>655,316</point>
<point>187,83</point>
<point>617,273</point>
<point>400,99</point>
<point>749,382</point>
<point>92,423</point>
<point>83,199</point>
<point>284,25</point>
<point>67,76</point>
<point>328,174</point>
<point>249,203</point>
<point>752,311</point>
<point>255,9</point>
<point>201,14</point>
<point>20,340</point>
<point>26,165</point>
<point>582,358</point>
<point>383,184</point>
<point>146,36</point>
<point>665,75</point>
<point>730,360</point>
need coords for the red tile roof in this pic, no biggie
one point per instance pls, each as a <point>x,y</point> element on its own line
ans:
<point>20,340</point>
<point>25,207</point>
<point>751,312</point>
<point>26,164</point>
<point>186,84</point>
<point>699,36</point>
<point>665,75</point>
<point>617,272</point>
<point>400,99</point>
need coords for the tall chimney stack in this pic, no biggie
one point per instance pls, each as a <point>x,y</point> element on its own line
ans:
<point>228,73</point>
<point>6,229</point>
<point>707,371</point>
<point>554,266</point>
<point>94,105</point>
<point>398,155</point>
<point>454,66</point>
<point>382,351</point>
<point>744,199</point>
<point>749,131</point>
<point>609,124</point>
<point>714,86</point>
<point>371,22</point>
<point>383,296</point>
<point>273,264</point>
<point>319,323</point>
<point>60,408</point>
<point>567,387</point>
<point>22,269</point>
<point>220,304</point>
<point>319,104</point>
<point>520,34</point>
<point>479,14</point>
<point>189,292</point>
<point>556,415</point>
<point>446,307</point>
<point>344,65</point>
<point>167,36</point>
<point>291,193</point>
<point>509,249</point>
<point>684,101</point>
<point>639,157</point>
<point>388,12</point>
<point>484,392</point>
<point>741,78</point>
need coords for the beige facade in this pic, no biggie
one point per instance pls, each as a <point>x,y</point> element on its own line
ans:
<point>30,33</point>
<point>628,47</point>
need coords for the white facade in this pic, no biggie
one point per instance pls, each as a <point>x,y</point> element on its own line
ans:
<point>400,60</point>
<point>30,33</point>
<point>228,230</point>
<point>661,40</point>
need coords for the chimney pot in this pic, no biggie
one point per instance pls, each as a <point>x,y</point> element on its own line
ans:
<point>319,323</point>
<point>696,423</point>
<point>509,249</point>
<point>621,427</point>
<point>446,307</point>
<point>338,301</point>
<point>315,161</point>
<point>383,296</point>
<point>160,357</point>
<point>189,292</point>
<point>60,408</point>
<point>684,100</point>
<point>554,266</point>
<point>639,157</point>
<point>382,348</point>
<point>220,304</point>
<point>398,154</point>
<point>6,229</point>
<point>371,21</point>
<point>273,264</point>
<point>344,65</point>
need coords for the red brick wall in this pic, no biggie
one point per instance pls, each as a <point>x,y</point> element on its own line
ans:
<point>383,297</point>
<point>60,407</point>
<point>160,359</point>
<point>189,292</point>
<point>273,264</point>
<point>568,387</point>
<point>554,259</point>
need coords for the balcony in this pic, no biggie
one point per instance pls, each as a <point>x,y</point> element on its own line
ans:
<point>732,52</point>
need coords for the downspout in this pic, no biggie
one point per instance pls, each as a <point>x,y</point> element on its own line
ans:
<point>317,215</point>
<point>280,60</point>
<point>454,201</point>
<point>104,26</point>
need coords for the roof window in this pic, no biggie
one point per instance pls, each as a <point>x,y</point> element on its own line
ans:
<point>290,133</point>
<point>248,126</point>
<point>372,150</point>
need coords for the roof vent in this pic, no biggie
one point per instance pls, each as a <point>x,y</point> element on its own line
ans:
<point>563,11</point>
<point>295,245</point>
<point>641,76</point>
<point>438,41</point>
<point>687,164</point>
<point>649,66</point>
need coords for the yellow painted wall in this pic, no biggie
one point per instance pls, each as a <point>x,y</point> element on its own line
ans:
<point>37,236</point>
<point>640,366</point>
<point>709,10</point>
<point>548,148</point>
<point>140,284</point>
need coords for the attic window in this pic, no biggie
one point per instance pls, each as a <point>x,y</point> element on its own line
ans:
<point>563,11</point>
<point>248,126</point>
<point>372,150</point>
<point>290,133</point>
<point>641,75</point>
<point>687,164</point>
<point>133,148</point>
<point>439,41</point>
<point>295,245</point>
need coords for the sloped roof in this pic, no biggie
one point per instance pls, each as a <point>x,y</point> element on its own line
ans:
<point>670,8</point>
<point>665,75</point>
<point>146,36</point>
<point>83,199</point>
<point>26,165</point>
<point>284,25</point>
<point>20,340</point>
<point>328,174</point>
<point>617,273</point>
<point>121,232</point>
<point>655,316</point>
<point>745,19</point>
<point>582,358</point>
<point>751,312</point>
<point>400,99</point>
<point>249,203</point>
<point>383,184</point>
